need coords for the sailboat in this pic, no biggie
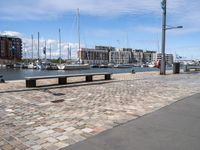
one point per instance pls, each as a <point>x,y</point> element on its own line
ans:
<point>77,66</point>
<point>31,64</point>
<point>37,63</point>
<point>60,66</point>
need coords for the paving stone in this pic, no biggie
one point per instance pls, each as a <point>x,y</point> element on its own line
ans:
<point>7,147</point>
<point>49,131</point>
<point>29,143</point>
<point>45,145</point>
<point>41,128</point>
<point>61,144</point>
<point>52,147</point>
<point>8,138</point>
<point>36,147</point>
<point>51,140</point>
<point>61,138</point>
<point>30,123</point>
<point>70,129</point>
<point>2,143</point>
<point>87,130</point>
<point>21,147</point>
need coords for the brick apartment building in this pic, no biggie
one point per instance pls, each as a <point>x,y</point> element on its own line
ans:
<point>10,49</point>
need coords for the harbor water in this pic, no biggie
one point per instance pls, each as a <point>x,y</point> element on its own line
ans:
<point>20,74</point>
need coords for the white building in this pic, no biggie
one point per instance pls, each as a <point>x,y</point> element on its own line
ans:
<point>119,56</point>
<point>150,57</point>
<point>138,56</point>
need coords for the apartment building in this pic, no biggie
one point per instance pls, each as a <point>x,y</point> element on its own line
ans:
<point>93,56</point>
<point>120,56</point>
<point>149,56</point>
<point>168,57</point>
<point>137,56</point>
<point>10,48</point>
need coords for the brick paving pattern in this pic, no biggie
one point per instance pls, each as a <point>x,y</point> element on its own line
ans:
<point>30,120</point>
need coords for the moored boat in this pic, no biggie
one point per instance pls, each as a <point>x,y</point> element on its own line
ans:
<point>123,66</point>
<point>61,66</point>
<point>77,67</point>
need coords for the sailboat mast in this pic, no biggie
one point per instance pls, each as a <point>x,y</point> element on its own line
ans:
<point>78,26</point>
<point>68,52</point>
<point>60,46</point>
<point>38,45</point>
<point>32,46</point>
<point>45,50</point>
<point>50,51</point>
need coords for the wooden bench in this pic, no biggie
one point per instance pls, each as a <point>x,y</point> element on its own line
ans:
<point>188,67</point>
<point>62,79</point>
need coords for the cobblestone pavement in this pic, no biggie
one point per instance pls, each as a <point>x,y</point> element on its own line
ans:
<point>52,118</point>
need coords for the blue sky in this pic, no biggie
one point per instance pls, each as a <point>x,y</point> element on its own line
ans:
<point>118,23</point>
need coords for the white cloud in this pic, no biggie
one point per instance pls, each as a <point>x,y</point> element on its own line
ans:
<point>27,46</point>
<point>54,48</point>
<point>38,9</point>
<point>183,12</point>
<point>11,33</point>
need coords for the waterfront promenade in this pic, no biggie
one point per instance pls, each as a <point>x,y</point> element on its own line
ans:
<point>58,116</point>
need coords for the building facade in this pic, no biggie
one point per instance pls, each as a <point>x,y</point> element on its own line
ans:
<point>150,57</point>
<point>10,49</point>
<point>137,56</point>
<point>120,57</point>
<point>105,54</point>
<point>93,56</point>
<point>168,57</point>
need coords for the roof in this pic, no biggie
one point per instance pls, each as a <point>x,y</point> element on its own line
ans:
<point>8,36</point>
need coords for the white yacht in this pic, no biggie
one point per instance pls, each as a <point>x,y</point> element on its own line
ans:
<point>77,66</point>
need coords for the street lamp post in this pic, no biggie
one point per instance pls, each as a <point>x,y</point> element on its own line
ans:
<point>164,28</point>
<point>163,62</point>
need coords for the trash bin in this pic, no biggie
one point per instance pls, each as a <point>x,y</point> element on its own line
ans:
<point>176,68</point>
<point>185,68</point>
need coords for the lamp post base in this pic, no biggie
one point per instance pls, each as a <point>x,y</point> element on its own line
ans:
<point>163,68</point>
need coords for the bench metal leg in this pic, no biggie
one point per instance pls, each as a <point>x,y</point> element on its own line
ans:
<point>62,80</point>
<point>30,83</point>
<point>88,78</point>
<point>107,77</point>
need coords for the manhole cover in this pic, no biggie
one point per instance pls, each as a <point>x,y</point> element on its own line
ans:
<point>58,101</point>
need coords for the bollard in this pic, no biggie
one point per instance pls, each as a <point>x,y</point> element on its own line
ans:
<point>133,71</point>
<point>2,80</point>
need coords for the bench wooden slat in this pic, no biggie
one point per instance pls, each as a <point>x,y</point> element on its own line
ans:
<point>62,79</point>
<point>69,75</point>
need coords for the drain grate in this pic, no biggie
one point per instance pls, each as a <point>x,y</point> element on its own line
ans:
<point>58,101</point>
<point>58,94</point>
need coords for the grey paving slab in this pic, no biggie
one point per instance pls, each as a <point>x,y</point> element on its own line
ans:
<point>174,127</point>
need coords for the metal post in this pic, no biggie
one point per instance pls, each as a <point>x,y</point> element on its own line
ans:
<point>50,51</point>
<point>78,26</point>
<point>32,46</point>
<point>38,46</point>
<point>59,46</point>
<point>163,62</point>
<point>45,51</point>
